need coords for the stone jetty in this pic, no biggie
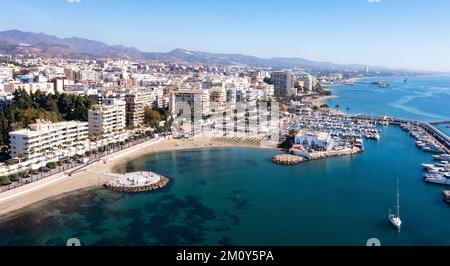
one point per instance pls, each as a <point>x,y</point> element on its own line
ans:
<point>135,182</point>
<point>289,159</point>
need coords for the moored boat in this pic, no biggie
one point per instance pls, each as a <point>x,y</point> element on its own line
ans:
<point>446,194</point>
<point>438,179</point>
<point>394,218</point>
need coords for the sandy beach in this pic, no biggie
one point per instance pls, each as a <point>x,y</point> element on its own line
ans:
<point>92,176</point>
<point>318,102</point>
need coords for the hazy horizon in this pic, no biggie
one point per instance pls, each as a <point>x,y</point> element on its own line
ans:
<point>397,34</point>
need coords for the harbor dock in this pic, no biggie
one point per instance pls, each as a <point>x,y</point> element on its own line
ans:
<point>289,159</point>
<point>440,137</point>
<point>135,182</point>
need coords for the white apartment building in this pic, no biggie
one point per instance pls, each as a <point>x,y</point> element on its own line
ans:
<point>6,73</point>
<point>44,142</point>
<point>308,82</point>
<point>108,119</point>
<point>253,95</point>
<point>157,98</point>
<point>88,75</point>
<point>30,87</point>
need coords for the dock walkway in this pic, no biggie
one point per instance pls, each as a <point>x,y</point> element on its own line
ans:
<point>435,133</point>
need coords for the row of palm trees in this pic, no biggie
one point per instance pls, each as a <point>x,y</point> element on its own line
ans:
<point>74,161</point>
<point>346,109</point>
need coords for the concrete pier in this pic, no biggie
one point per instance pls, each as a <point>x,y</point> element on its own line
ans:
<point>438,135</point>
<point>135,182</point>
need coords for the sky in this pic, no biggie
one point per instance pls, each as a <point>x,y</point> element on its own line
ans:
<point>413,34</point>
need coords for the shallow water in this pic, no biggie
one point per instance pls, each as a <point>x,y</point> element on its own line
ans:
<point>237,196</point>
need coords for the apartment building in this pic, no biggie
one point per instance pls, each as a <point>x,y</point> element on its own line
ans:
<point>218,99</point>
<point>136,102</point>
<point>283,83</point>
<point>6,73</point>
<point>45,141</point>
<point>88,75</point>
<point>45,87</point>
<point>308,82</point>
<point>197,100</point>
<point>108,118</point>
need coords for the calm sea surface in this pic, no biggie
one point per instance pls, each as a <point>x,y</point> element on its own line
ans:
<point>237,196</point>
<point>425,98</point>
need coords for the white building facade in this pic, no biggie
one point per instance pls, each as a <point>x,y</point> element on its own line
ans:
<point>45,142</point>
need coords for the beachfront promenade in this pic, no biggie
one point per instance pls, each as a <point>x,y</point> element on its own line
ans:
<point>69,167</point>
<point>61,183</point>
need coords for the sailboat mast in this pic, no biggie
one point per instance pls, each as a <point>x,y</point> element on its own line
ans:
<point>398,198</point>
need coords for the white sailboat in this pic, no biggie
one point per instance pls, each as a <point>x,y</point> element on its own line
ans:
<point>394,218</point>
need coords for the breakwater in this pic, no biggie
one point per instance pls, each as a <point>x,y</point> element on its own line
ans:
<point>136,182</point>
<point>289,159</point>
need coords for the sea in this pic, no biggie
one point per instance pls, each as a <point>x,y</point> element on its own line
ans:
<point>424,98</point>
<point>237,196</point>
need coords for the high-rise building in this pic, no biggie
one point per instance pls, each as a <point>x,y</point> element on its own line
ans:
<point>308,83</point>
<point>283,83</point>
<point>70,74</point>
<point>136,102</point>
<point>197,100</point>
<point>108,118</point>
<point>218,99</point>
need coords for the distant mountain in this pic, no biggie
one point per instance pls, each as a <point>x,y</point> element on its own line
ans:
<point>19,42</point>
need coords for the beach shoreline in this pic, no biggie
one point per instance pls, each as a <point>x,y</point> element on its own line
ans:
<point>318,102</point>
<point>92,176</point>
<point>321,101</point>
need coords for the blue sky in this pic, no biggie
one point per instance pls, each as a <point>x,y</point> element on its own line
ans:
<point>398,33</point>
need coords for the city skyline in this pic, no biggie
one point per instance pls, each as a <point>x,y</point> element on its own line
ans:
<point>384,33</point>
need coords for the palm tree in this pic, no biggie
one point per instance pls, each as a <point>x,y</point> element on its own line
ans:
<point>337,107</point>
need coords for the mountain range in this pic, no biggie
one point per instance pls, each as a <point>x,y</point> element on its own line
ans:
<point>20,42</point>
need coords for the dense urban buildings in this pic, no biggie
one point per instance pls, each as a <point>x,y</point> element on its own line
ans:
<point>121,91</point>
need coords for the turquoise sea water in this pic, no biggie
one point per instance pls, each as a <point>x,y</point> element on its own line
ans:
<point>237,196</point>
<point>425,98</point>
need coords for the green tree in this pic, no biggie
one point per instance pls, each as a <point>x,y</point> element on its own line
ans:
<point>152,117</point>
<point>4,181</point>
